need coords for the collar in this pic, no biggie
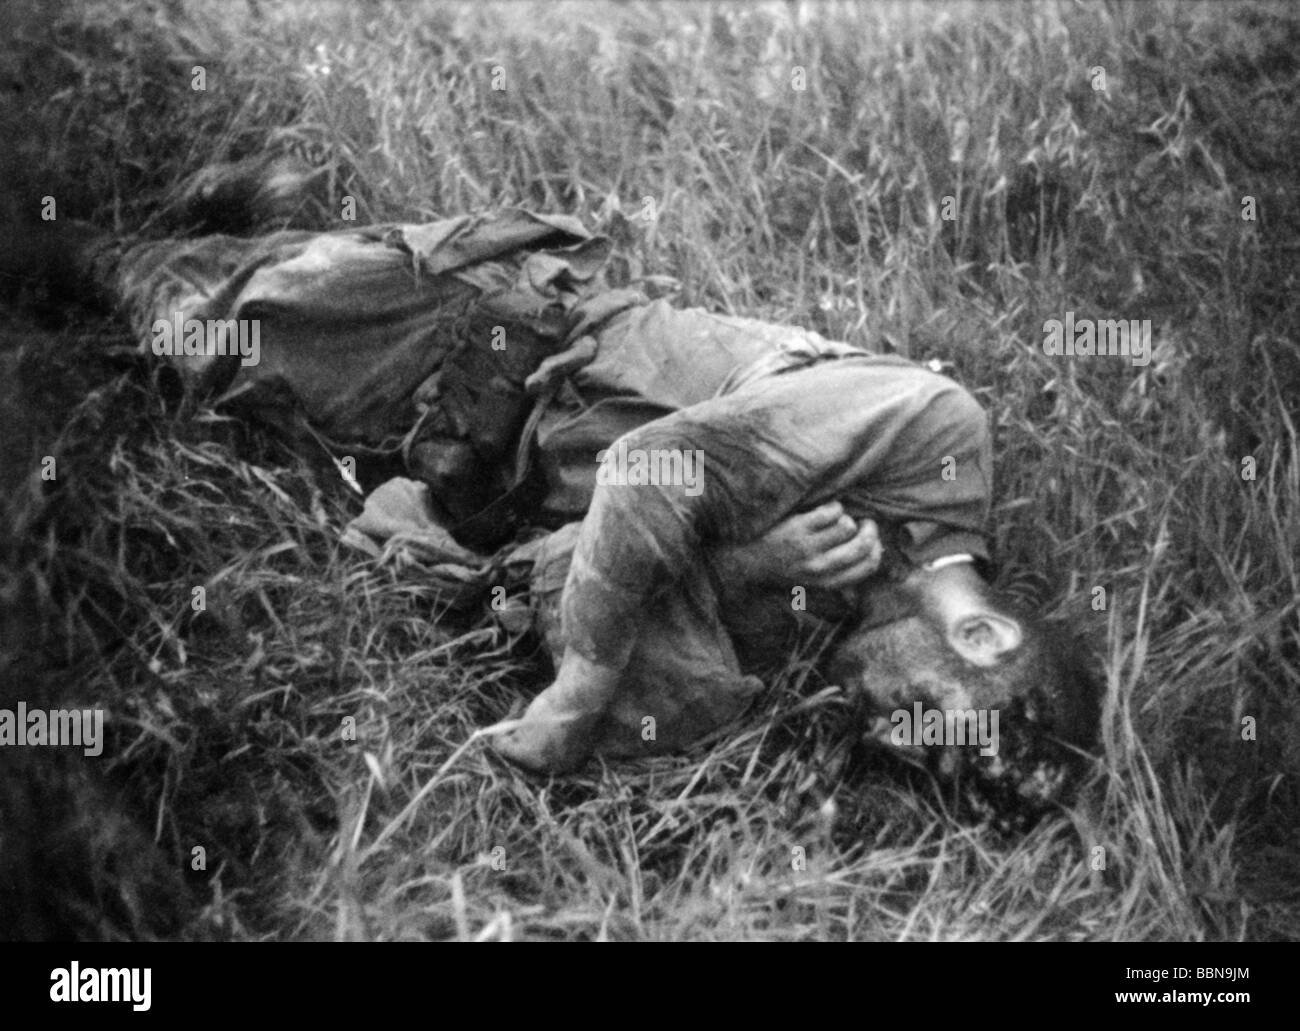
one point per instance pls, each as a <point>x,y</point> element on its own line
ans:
<point>947,560</point>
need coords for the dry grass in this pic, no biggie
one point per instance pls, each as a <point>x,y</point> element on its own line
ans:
<point>816,207</point>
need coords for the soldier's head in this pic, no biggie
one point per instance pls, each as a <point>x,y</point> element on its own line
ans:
<point>946,640</point>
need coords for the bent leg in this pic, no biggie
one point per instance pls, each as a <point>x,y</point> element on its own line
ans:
<point>638,543</point>
<point>683,680</point>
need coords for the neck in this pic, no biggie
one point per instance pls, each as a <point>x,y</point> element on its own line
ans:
<point>951,592</point>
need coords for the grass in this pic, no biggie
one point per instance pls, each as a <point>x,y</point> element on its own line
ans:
<point>820,207</point>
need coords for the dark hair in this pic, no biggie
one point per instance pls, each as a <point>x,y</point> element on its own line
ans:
<point>1044,692</point>
<point>1051,717</point>
<point>1053,667</point>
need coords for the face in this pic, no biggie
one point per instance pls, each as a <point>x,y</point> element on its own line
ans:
<point>905,660</point>
<point>924,641</point>
<point>910,649</point>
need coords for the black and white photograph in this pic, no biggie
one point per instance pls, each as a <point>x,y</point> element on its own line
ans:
<point>796,471</point>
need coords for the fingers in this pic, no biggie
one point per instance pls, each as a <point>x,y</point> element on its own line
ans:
<point>797,540</point>
<point>825,527</point>
<point>557,366</point>
<point>852,576</point>
<point>851,561</point>
<point>820,517</point>
<point>864,541</point>
<point>823,547</point>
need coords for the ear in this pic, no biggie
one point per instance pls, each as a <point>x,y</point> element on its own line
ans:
<point>984,639</point>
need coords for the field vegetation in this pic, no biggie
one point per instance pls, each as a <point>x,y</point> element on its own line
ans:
<point>1096,158</point>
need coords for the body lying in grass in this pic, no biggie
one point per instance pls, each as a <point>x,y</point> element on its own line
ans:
<point>748,472</point>
<point>798,464</point>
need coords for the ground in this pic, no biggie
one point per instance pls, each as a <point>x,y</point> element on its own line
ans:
<point>946,178</point>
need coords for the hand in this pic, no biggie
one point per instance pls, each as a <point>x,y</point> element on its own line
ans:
<point>822,548</point>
